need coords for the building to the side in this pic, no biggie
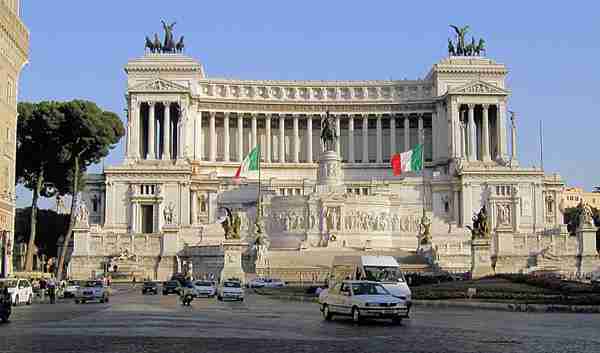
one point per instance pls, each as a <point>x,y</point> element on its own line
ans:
<point>14,51</point>
<point>156,213</point>
<point>572,196</point>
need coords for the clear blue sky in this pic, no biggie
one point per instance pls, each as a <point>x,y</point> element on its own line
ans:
<point>79,48</point>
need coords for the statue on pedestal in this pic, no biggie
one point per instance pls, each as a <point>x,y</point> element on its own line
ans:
<point>231,225</point>
<point>168,213</point>
<point>82,214</point>
<point>586,216</point>
<point>328,133</point>
<point>425,229</point>
<point>481,226</point>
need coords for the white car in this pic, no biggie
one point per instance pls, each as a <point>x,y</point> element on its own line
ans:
<point>92,290</point>
<point>20,290</point>
<point>273,283</point>
<point>256,283</point>
<point>230,290</point>
<point>71,289</point>
<point>204,289</point>
<point>361,299</point>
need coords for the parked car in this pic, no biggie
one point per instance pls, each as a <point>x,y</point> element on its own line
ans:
<point>91,291</point>
<point>150,287</point>
<point>362,299</point>
<point>71,289</point>
<point>230,290</point>
<point>20,290</point>
<point>273,283</point>
<point>171,287</point>
<point>256,283</point>
<point>204,289</point>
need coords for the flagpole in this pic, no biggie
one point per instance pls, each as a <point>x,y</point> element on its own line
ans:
<point>258,202</point>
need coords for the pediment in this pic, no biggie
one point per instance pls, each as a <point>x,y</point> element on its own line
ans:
<point>479,88</point>
<point>158,85</point>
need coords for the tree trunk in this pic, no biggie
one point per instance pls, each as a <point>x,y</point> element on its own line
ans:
<point>67,240</point>
<point>33,221</point>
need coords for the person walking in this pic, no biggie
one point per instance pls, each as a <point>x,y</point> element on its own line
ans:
<point>43,287</point>
<point>52,290</point>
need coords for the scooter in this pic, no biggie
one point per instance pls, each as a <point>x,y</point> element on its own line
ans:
<point>5,311</point>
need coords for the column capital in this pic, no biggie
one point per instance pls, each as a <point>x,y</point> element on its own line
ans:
<point>471,106</point>
<point>212,114</point>
<point>166,103</point>
<point>485,106</point>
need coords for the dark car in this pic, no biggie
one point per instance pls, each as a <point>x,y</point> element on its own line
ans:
<point>150,287</point>
<point>171,287</point>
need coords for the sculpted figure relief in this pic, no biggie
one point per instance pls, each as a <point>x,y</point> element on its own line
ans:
<point>504,214</point>
<point>168,213</point>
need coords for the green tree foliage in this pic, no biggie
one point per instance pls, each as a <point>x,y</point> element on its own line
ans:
<point>87,136</point>
<point>50,225</point>
<point>572,218</point>
<point>38,168</point>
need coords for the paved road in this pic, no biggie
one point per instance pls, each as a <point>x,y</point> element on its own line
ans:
<point>135,323</point>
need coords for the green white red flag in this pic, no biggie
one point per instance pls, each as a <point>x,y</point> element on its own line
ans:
<point>410,161</point>
<point>250,165</point>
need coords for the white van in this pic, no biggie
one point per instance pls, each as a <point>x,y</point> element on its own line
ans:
<point>382,269</point>
<point>20,290</point>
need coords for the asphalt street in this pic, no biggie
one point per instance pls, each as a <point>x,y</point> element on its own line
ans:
<point>131,322</point>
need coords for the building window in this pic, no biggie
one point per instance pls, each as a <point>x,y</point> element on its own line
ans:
<point>95,203</point>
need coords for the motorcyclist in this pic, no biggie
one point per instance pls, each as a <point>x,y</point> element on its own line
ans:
<point>187,290</point>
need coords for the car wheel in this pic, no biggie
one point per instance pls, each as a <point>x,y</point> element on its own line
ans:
<point>396,320</point>
<point>30,300</point>
<point>356,318</point>
<point>326,313</point>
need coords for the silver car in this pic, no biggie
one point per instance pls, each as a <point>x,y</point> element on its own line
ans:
<point>362,299</point>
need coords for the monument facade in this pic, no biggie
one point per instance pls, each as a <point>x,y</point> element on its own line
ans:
<point>14,52</point>
<point>327,187</point>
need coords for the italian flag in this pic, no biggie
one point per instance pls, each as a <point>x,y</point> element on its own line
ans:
<point>410,161</point>
<point>249,166</point>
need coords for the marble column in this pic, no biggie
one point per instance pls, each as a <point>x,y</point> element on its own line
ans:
<point>472,153</point>
<point>455,130</point>
<point>406,133</point>
<point>351,138</point>
<point>281,138</point>
<point>167,133</point>
<point>338,132</point>
<point>513,142</point>
<point>421,131</point>
<point>135,116</point>
<point>254,129</point>
<point>434,137</point>
<point>194,202</point>
<point>463,139</point>
<point>379,140</point>
<point>501,130</point>
<point>240,137</point>
<point>392,136</point>
<point>268,138</point>
<point>199,139</point>
<point>151,131</point>
<point>309,139</point>
<point>212,138</point>
<point>365,136</point>
<point>296,143</point>
<point>134,221</point>
<point>225,137</point>
<point>485,134</point>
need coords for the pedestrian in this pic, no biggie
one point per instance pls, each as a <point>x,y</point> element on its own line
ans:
<point>133,282</point>
<point>43,286</point>
<point>52,290</point>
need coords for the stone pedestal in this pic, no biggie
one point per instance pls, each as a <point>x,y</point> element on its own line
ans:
<point>481,259</point>
<point>504,241</point>
<point>330,178</point>
<point>587,255</point>
<point>169,241</point>
<point>81,246</point>
<point>232,265</point>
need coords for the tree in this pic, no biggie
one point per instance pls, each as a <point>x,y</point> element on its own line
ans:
<point>87,135</point>
<point>38,169</point>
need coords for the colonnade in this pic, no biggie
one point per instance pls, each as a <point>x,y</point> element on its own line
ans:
<point>481,132</point>
<point>272,131</point>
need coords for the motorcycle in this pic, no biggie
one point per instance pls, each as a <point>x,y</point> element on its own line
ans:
<point>187,299</point>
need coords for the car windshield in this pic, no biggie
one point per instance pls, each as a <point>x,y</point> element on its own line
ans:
<point>149,284</point>
<point>383,274</point>
<point>203,284</point>
<point>173,284</point>
<point>90,284</point>
<point>368,289</point>
<point>73,283</point>
<point>231,285</point>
